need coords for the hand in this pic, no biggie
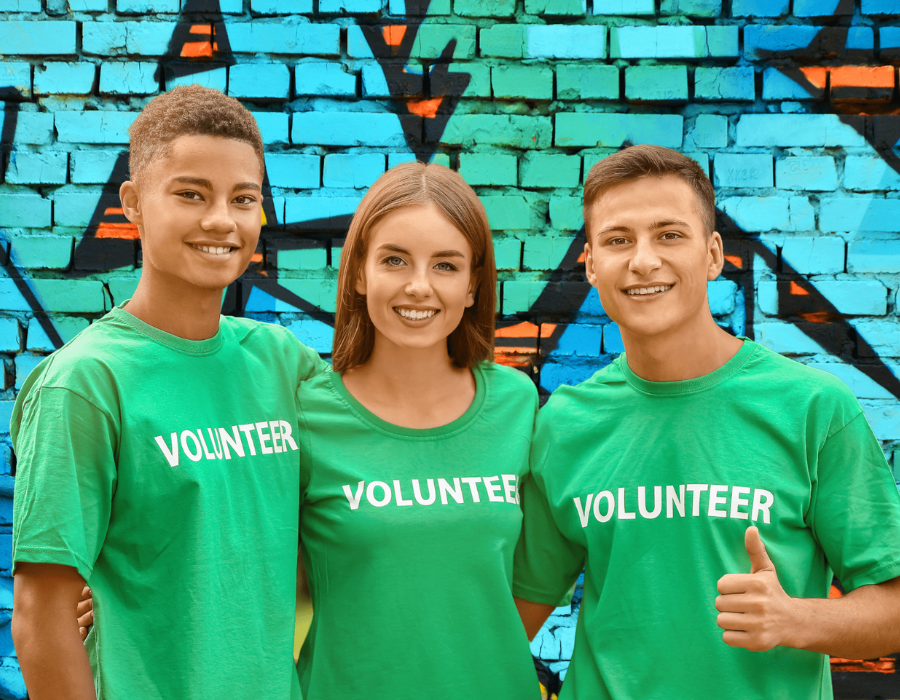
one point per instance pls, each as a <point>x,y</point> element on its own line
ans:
<point>754,610</point>
<point>85,612</point>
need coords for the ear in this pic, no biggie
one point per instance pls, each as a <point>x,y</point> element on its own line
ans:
<point>360,284</point>
<point>470,295</point>
<point>589,264</point>
<point>716,255</point>
<point>131,202</point>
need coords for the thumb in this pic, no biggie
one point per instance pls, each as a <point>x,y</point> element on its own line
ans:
<point>759,558</point>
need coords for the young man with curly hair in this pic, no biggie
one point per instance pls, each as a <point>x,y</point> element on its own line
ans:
<point>157,451</point>
<point>699,463</point>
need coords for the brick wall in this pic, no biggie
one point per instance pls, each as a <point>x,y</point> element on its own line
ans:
<point>790,106</point>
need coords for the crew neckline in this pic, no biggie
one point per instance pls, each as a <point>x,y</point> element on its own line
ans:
<point>384,426</point>
<point>689,386</point>
<point>174,342</point>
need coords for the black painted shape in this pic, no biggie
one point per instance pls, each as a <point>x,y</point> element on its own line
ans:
<point>271,286</point>
<point>8,134</point>
<point>196,12</point>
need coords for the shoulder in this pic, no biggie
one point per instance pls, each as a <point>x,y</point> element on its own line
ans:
<point>507,381</point>
<point>591,391</point>
<point>272,341</point>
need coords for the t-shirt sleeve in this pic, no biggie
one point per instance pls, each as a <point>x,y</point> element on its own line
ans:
<point>546,562</point>
<point>311,365</point>
<point>65,480</point>
<point>856,507</point>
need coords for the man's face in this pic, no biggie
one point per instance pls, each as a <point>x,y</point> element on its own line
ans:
<point>649,256</point>
<point>197,208</point>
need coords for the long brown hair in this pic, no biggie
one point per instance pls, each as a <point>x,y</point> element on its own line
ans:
<point>407,185</point>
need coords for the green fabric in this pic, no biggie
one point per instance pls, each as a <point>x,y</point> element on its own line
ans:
<point>414,601</point>
<point>778,445</point>
<point>188,539</point>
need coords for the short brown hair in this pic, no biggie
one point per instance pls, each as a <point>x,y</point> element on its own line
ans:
<point>408,185</point>
<point>636,162</point>
<point>189,110</point>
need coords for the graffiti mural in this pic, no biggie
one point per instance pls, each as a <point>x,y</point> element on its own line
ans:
<point>792,108</point>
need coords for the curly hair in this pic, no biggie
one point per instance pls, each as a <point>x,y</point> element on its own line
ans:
<point>189,110</point>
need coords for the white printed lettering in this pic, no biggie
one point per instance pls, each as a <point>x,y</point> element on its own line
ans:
<point>286,436</point>
<point>624,514</point>
<point>472,481</point>
<point>209,455</point>
<point>584,514</point>
<point>456,491</point>
<point>417,492</point>
<point>171,455</point>
<point>737,502</point>
<point>217,444</point>
<point>715,499</point>
<point>370,494</point>
<point>400,500</point>
<point>264,437</point>
<point>674,500</point>
<point>657,502</point>
<point>509,488</point>
<point>195,454</point>
<point>492,489</point>
<point>247,430</point>
<point>610,499</point>
<point>354,498</point>
<point>696,490</point>
<point>274,426</point>
<point>762,499</point>
<point>233,441</point>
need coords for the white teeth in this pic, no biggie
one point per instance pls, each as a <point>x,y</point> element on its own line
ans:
<point>213,250</point>
<point>415,315</point>
<point>647,290</point>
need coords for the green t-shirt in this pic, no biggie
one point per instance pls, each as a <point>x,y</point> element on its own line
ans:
<point>651,485</point>
<point>408,538</point>
<point>165,471</point>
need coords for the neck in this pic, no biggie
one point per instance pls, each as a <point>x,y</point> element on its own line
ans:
<point>406,375</point>
<point>692,350</point>
<point>175,307</point>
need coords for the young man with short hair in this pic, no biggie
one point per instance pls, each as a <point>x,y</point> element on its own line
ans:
<point>663,475</point>
<point>157,451</point>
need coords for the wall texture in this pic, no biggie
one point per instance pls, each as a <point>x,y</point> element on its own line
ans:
<point>789,105</point>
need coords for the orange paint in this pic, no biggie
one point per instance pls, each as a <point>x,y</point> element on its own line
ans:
<point>511,361</point>
<point>114,211</point>
<point>198,49</point>
<point>736,261</point>
<point>835,593</point>
<point>256,257</point>
<point>547,329</point>
<point>393,35</point>
<point>798,291</point>
<point>817,75</point>
<point>886,664</point>
<point>862,76</point>
<point>202,29</point>
<point>581,257</point>
<point>124,231</point>
<point>520,330</point>
<point>817,316</point>
<point>425,108</point>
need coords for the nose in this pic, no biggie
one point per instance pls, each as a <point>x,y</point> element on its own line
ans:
<point>419,285</point>
<point>644,259</point>
<point>217,218</point>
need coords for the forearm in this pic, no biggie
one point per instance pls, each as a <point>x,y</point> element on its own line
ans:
<point>864,624</point>
<point>53,660</point>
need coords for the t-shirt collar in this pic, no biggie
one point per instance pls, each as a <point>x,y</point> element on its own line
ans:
<point>190,347</point>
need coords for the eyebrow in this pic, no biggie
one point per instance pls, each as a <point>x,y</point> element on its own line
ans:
<point>654,226</point>
<point>439,254</point>
<point>202,182</point>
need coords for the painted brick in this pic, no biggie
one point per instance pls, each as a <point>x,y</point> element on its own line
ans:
<point>587,82</point>
<point>93,127</point>
<point>565,41</point>
<point>708,131</point>
<point>518,81</point>
<point>880,7</point>
<point>42,252</point>
<point>658,42</point>
<point>37,340</point>
<point>869,173</point>
<point>798,130</point>
<point>24,365</point>
<point>148,38</point>
<point>722,41</point>
<point>76,206</point>
<point>301,255</point>
<point>285,39</point>
<point>556,374</point>
<point>785,338</point>
<point>314,334</point>
<point>10,340</point>
<point>32,128</point>
<point>103,38</point>
<point>624,7</point>
<point>259,81</point>
<point>213,76</point>
<point>580,340</point>
<point>566,213</point>
<point>350,6</point>
<point>432,39</point>
<point>815,255</point>
<point>507,252</point>
<point>87,5</point>
<point>789,84</point>
<point>352,170</point>
<point>549,170</point>
<point>612,339</point>
<point>347,129</point>
<point>545,252</point>
<point>502,41</point>
<point>724,83</point>
<point>484,8</point>
<point>884,419</point>
<point>281,7</point>
<point>375,84</point>
<point>37,167</point>
<point>66,296</point>
<point>509,212</point>
<point>692,8</point>
<point>721,295</point>
<point>861,38</point>
<point>134,7</point>
<point>15,79</point>
<point>488,168</point>
<point>133,78</point>
<point>518,296</point>
<point>822,8</point>
<point>559,8</point>
<point>862,386</point>
<point>743,170</point>
<point>321,292</point>
<point>859,214</point>
<point>853,297</point>
<point>122,288</point>
<point>467,130</point>
<point>58,78</point>
<point>273,126</point>
<point>817,173</point>
<point>577,129</point>
<point>323,79</point>
<point>436,7</point>
<point>759,8</point>
<point>770,213</point>
<point>44,38</point>
<point>890,42</point>
<point>761,41</point>
<point>293,170</point>
<point>332,213</point>
<point>24,211</point>
<point>451,80</point>
<point>882,336</point>
<point>874,255</point>
<point>24,6</point>
<point>656,83</point>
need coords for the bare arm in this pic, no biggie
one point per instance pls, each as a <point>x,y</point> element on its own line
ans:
<point>757,614</point>
<point>533,615</point>
<point>45,632</point>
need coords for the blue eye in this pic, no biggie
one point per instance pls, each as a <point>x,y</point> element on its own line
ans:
<point>445,267</point>
<point>393,261</point>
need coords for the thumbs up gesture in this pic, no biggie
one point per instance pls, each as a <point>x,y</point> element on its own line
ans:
<point>754,610</point>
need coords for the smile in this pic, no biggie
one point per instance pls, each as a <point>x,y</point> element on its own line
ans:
<point>212,250</point>
<point>413,315</point>
<point>641,291</point>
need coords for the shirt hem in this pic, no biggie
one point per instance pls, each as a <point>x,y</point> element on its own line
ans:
<point>40,555</point>
<point>873,577</point>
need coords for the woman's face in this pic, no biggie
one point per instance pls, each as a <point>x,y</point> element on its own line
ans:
<point>416,277</point>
